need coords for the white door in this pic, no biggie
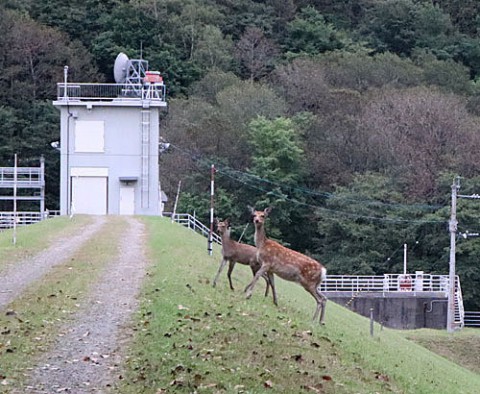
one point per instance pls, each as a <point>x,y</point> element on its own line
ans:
<point>89,195</point>
<point>127,200</point>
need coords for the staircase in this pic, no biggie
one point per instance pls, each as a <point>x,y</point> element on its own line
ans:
<point>459,318</point>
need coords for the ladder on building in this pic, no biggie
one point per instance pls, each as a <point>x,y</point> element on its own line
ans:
<point>145,157</point>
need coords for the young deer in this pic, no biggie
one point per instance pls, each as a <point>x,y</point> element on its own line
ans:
<point>235,252</point>
<point>287,264</point>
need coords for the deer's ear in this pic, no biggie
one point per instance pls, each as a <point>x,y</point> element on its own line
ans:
<point>227,222</point>
<point>267,210</point>
<point>251,209</point>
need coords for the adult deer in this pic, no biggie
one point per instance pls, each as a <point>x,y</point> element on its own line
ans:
<point>236,252</point>
<point>287,264</point>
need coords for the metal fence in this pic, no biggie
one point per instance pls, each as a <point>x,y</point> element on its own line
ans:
<point>21,177</point>
<point>194,224</point>
<point>472,319</point>
<point>24,218</point>
<point>387,283</point>
<point>110,91</point>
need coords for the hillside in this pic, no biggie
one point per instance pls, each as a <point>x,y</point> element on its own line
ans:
<point>192,337</point>
<point>110,304</point>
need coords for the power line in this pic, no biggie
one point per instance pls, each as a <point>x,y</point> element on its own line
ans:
<point>251,180</point>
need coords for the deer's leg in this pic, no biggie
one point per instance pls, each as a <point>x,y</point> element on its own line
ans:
<point>267,284</point>
<point>251,285</point>
<point>324,304</point>
<point>222,265</point>
<point>321,302</point>
<point>229,273</point>
<point>271,282</point>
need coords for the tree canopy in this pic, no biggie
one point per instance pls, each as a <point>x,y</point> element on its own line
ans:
<point>351,118</point>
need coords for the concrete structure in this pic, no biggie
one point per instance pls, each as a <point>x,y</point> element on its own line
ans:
<point>403,311</point>
<point>109,148</point>
<point>397,301</point>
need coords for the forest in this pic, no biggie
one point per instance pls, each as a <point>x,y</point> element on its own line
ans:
<point>350,118</point>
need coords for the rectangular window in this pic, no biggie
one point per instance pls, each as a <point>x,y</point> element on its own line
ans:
<point>89,136</point>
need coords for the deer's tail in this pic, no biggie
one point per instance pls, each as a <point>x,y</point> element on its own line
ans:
<point>323,275</point>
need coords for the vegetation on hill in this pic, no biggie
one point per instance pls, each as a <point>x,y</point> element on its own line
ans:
<point>350,118</point>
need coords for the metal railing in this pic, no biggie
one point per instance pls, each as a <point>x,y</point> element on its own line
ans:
<point>26,177</point>
<point>24,218</point>
<point>194,224</point>
<point>472,319</point>
<point>110,92</point>
<point>7,219</point>
<point>386,283</point>
<point>398,284</point>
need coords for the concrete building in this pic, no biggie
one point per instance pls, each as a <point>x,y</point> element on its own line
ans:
<point>400,301</point>
<point>110,143</point>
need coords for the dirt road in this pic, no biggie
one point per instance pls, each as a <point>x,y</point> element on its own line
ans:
<point>87,353</point>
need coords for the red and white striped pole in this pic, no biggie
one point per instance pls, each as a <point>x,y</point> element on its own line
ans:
<point>212,193</point>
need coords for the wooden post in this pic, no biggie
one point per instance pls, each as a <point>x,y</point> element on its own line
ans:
<point>371,322</point>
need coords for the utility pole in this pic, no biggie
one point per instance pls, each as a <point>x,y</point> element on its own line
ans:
<point>451,277</point>
<point>212,194</point>
<point>15,182</point>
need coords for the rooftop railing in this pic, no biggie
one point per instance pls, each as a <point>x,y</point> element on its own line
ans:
<point>110,92</point>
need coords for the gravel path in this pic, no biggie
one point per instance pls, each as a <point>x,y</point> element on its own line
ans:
<point>86,357</point>
<point>19,276</point>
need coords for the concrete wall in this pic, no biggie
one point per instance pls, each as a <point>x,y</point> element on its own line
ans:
<point>122,156</point>
<point>397,310</point>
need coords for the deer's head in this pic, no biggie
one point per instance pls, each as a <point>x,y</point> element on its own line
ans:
<point>260,216</point>
<point>222,227</point>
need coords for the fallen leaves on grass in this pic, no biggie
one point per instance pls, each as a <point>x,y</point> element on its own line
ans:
<point>268,384</point>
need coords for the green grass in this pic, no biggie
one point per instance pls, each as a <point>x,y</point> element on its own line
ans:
<point>31,321</point>
<point>192,337</point>
<point>36,237</point>
<point>463,347</point>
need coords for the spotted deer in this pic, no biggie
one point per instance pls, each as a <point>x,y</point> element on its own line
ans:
<point>236,252</point>
<point>287,264</point>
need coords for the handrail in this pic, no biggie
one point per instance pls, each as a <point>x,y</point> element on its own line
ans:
<point>110,91</point>
<point>460,311</point>
<point>20,176</point>
<point>187,220</point>
<point>472,319</point>
<point>387,283</point>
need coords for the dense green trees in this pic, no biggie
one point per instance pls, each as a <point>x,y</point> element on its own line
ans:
<point>350,117</point>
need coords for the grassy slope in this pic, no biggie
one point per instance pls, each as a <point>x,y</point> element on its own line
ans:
<point>192,337</point>
<point>463,347</point>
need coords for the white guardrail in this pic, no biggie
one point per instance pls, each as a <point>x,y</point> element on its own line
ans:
<point>7,219</point>
<point>472,319</point>
<point>194,224</point>
<point>387,283</point>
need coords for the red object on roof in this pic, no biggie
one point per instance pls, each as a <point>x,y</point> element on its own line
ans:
<point>153,77</point>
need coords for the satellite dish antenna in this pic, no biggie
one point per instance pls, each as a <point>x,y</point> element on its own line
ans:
<point>120,68</point>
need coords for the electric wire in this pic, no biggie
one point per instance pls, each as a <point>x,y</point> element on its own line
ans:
<point>249,181</point>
